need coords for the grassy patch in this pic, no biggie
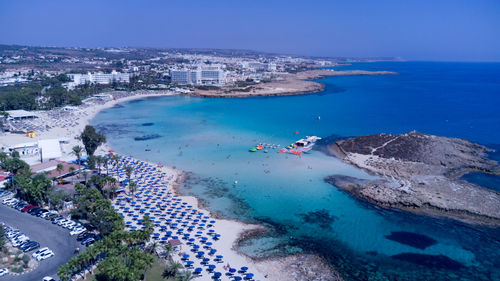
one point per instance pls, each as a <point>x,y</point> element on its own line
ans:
<point>156,271</point>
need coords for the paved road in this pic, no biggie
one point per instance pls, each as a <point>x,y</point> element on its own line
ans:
<point>48,235</point>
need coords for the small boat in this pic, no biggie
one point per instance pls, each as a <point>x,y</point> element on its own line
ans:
<point>282,151</point>
<point>259,147</point>
<point>266,151</point>
<point>253,149</point>
<point>305,145</point>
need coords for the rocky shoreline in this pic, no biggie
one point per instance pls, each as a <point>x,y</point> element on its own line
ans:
<point>285,85</point>
<point>420,173</point>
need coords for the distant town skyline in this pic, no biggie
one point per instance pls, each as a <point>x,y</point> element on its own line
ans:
<point>414,30</point>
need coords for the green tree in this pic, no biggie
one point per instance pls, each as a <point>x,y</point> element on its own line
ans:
<point>128,171</point>
<point>116,159</point>
<point>185,275</point>
<point>99,160</point>
<point>59,168</point>
<point>2,238</point>
<point>3,157</point>
<point>132,186</point>
<point>172,269</point>
<point>105,162</point>
<point>91,161</point>
<point>91,139</point>
<point>77,151</point>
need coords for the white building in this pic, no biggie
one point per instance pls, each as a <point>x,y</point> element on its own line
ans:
<point>98,78</point>
<point>202,75</point>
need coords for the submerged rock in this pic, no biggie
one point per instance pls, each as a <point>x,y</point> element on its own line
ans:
<point>147,137</point>
<point>411,239</point>
<point>431,261</point>
<point>322,218</point>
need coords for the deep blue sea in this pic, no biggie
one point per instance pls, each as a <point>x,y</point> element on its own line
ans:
<point>210,138</point>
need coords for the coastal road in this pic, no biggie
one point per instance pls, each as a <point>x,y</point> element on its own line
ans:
<point>45,233</point>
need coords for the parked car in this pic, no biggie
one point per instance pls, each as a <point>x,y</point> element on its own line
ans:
<point>4,271</point>
<point>89,241</point>
<point>50,216</point>
<point>77,230</point>
<point>48,278</point>
<point>42,211</point>
<point>26,208</point>
<point>44,255</point>
<point>32,247</point>
<point>83,236</point>
<point>33,209</point>
<point>40,251</point>
<point>57,219</point>
<point>36,212</point>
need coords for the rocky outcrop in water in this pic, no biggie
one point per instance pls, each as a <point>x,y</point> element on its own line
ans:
<point>420,173</point>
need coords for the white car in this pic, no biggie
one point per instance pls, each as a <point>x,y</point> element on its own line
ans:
<point>44,255</point>
<point>4,271</point>
<point>77,230</point>
<point>41,251</point>
<point>12,202</point>
<point>12,233</point>
<point>18,241</point>
<point>70,225</point>
<point>8,200</point>
<point>62,222</point>
<point>48,278</point>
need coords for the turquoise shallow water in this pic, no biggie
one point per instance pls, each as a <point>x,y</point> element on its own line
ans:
<point>210,139</point>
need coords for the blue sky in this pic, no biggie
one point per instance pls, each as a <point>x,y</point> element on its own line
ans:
<point>416,30</point>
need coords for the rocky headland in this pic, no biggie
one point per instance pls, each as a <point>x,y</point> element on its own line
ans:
<point>420,173</point>
<point>284,85</point>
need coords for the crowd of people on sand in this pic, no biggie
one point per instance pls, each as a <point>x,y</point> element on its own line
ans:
<point>175,221</point>
<point>67,117</point>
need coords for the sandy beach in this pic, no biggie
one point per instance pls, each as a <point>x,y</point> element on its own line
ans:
<point>286,84</point>
<point>67,124</point>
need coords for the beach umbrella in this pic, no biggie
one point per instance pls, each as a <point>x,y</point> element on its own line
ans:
<point>249,275</point>
<point>211,266</point>
<point>198,270</point>
<point>237,278</point>
<point>217,274</point>
<point>185,256</point>
<point>232,270</point>
<point>244,268</point>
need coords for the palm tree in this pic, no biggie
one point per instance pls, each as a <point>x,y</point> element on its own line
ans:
<point>129,170</point>
<point>78,150</point>
<point>131,186</point>
<point>85,174</point>
<point>98,160</point>
<point>71,169</point>
<point>105,161</point>
<point>152,247</point>
<point>116,158</point>
<point>185,275</point>
<point>169,249</point>
<point>172,269</point>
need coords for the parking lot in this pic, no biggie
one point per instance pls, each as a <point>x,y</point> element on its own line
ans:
<point>48,235</point>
